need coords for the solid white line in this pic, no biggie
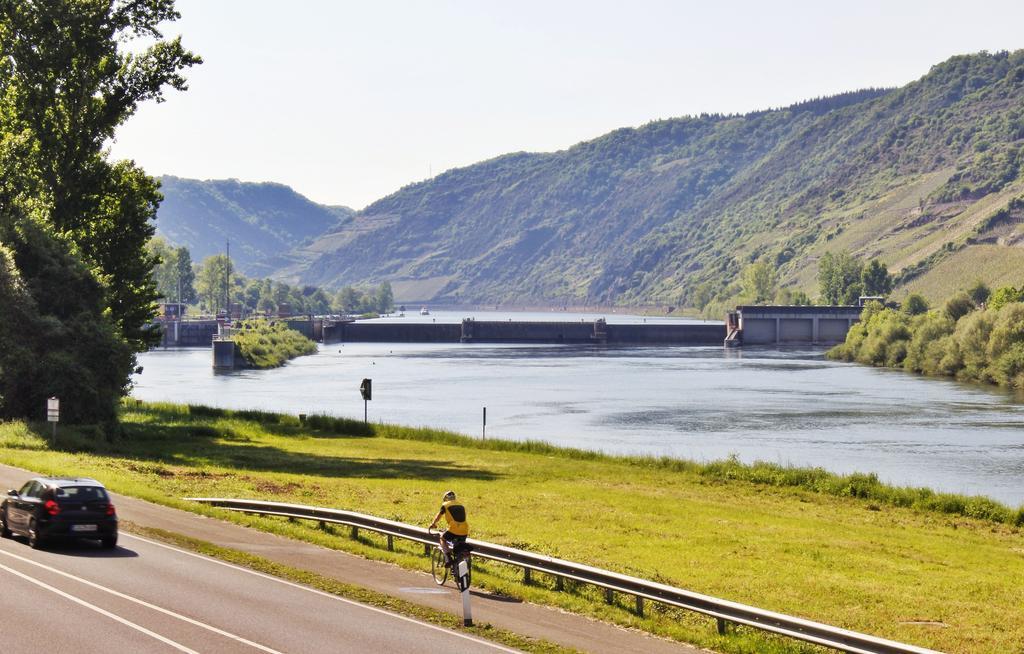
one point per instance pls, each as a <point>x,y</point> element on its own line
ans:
<point>177,646</point>
<point>145,604</point>
<point>479,641</point>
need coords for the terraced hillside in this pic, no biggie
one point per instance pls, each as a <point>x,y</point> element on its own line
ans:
<point>921,176</point>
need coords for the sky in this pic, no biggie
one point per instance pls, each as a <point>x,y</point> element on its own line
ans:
<point>346,102</point>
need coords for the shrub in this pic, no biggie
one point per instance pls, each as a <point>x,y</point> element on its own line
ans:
<point>958,306</point>
<point>915,305</point>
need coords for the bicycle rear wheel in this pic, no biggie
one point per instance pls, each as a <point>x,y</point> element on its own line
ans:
<point>437,567</point>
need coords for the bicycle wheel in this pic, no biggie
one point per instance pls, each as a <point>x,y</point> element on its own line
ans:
<point>437,567</point>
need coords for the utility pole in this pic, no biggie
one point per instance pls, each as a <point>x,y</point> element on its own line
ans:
<point>227,281</point>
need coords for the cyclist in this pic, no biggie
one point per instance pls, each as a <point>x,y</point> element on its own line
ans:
<point>458,528</point>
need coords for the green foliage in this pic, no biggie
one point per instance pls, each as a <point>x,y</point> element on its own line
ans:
<point>759,281</point>
<point>173,273</point>
<point>1005,295</point>
<point>269,344</point>
<point>979,292</point>
<point>78,295</point>
<point>839,278</point>
<point>213,279</point>
<point>915,304</point>
<point>792,297</point>
<point>958,306</point>
<point>875,279</point>
<point>959,341</point>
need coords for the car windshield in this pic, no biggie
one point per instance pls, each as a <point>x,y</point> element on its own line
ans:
<point>80,494</point>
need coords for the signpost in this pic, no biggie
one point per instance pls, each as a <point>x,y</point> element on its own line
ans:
<point>53,414</point>
<point>485,424</point>
<point>366,390</point>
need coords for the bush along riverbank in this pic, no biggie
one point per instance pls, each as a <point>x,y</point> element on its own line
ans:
<point>963,340</point>
<point>857,552</point>
<point>270,344</point>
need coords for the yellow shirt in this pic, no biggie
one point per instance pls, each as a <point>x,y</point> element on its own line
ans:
<point>455,514</point>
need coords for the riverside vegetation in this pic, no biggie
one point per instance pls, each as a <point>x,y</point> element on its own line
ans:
<point>270,343</point>
<point>974,337</point>
<point>937,570</point>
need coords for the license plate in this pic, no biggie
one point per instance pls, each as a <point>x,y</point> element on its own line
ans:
<point>83,527</point>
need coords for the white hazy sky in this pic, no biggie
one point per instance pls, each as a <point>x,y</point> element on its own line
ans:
<point>348,101</point>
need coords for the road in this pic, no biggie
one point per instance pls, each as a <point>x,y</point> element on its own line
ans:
<point>148,597</point>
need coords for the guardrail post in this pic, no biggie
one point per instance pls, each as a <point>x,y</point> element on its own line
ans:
<point>559,583</point>
<point>355,532</point>
<point>609,595</point>
<point>722,624</point>
<point>527,576</point>
<point>426,549</point>
<point>391,543</point>
<point>323,526</point>
<point>640,606</point>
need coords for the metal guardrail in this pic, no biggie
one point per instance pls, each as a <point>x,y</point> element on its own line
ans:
<point>723,610</point>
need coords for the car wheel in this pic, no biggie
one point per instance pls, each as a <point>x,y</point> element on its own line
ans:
<point>34,541</point>
<point>5,532</point>
<point>110,542</point>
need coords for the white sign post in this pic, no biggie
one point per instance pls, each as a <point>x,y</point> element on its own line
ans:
<point>53,414</point>
<point>463,581</point>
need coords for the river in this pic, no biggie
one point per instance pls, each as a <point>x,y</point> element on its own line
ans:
<point>788,406</point>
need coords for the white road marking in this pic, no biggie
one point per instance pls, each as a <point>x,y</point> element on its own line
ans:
<point>177,646</point>
<point>473,639</point>
<point>146,604</point>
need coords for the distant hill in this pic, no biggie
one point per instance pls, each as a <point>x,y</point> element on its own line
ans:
<point>922,176</point>
<point>262,221</point>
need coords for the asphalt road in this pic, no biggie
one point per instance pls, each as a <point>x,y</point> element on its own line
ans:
<point>145,596</point>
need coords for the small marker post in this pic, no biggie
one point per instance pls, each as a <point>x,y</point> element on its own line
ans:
<point>485,424</point>
<point>463,581</point>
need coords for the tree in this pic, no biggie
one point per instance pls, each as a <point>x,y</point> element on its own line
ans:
<point>75,84</point>
<point>346,300</point>
<point>839,278</point>
<point>78,293</point>
<point>958,306</point>
<point>385,299</point>
<point>186,276</point>
<point>1005,295</point>
<point>759,281</point>
<point>875,279</point>
<point>915,305</point>
<point>211,278</point>
<point>979,293</point>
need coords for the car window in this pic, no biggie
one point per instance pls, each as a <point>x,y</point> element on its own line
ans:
<point>80,494</point>
<point>25,489</point>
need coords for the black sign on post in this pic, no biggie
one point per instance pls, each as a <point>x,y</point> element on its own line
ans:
<point>366,390</point>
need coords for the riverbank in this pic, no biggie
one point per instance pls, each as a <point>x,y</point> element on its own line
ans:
<point>851,558</point>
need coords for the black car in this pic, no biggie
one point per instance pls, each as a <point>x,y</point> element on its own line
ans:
<point>55,508</point>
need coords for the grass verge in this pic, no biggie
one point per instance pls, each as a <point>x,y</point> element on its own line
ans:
<point>800,542</point>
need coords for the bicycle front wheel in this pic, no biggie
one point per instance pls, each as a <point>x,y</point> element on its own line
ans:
<point>437,567</point>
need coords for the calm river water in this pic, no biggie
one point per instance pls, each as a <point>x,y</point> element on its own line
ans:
<point>788,406</point>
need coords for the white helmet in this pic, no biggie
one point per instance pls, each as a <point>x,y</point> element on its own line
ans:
<point>448,496</point>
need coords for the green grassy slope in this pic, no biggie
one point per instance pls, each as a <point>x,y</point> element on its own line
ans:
<point>646,215</point>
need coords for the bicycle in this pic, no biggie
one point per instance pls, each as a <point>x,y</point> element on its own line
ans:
<point>441,568</point>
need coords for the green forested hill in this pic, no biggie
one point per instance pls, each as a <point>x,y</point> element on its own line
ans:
<point>263,221</point>
<point>921,176</point>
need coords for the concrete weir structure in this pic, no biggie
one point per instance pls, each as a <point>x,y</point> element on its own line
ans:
<point>790,325</point>
<point>551,332</point>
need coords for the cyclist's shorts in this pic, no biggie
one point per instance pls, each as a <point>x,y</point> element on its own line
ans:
<point>454,541</point>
